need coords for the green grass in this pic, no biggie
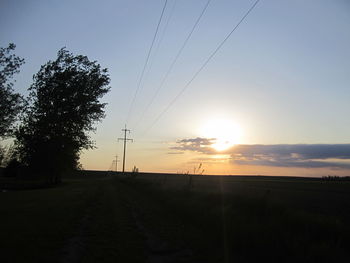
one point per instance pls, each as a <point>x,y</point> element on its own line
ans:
<point>159,218</point>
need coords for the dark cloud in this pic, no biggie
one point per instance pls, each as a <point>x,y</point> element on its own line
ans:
<point>276,161</point>
<point>279,155</point>
<point>293,155</point>
<point>304,151</point>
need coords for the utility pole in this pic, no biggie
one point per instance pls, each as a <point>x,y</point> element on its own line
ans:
<point>111,167</point>
<point>125,139</point>
<point>116,163</point>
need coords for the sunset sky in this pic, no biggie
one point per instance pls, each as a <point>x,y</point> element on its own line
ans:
<point>273,100</point>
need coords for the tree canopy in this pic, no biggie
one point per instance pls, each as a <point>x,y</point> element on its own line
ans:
<point>10,102</point>
<point>64,105</point>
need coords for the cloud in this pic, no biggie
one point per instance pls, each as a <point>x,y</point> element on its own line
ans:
<point>304,151</point>
<point>335,156</point>
<point>293,155</point>
<point>176,152</point>
<point>198,144</point>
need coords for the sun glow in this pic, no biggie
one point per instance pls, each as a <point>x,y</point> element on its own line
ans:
<point>224,133</point>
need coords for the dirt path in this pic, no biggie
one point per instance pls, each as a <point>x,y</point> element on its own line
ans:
<point>75,247</point>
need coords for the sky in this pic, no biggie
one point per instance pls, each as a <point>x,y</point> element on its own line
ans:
<point>273,100</point>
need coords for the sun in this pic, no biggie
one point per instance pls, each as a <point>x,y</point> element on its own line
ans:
<point>224,132</point>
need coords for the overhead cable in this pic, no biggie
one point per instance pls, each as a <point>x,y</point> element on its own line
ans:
<point>201,68</point>
<point>146,62</point>
<point>174,61</point>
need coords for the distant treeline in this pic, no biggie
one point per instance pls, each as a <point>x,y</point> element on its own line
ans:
<point>335,178</point>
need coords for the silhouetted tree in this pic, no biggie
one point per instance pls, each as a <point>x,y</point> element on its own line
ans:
<point>63,108</point>
<point>10,102</point>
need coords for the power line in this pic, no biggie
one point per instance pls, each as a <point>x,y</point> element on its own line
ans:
<point>202,67</point>
<point>162,34</point>
<point>174,61</point>
<point>161,37</point>
<point>146,62</point>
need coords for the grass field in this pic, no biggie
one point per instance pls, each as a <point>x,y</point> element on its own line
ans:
<point>176,218</point>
